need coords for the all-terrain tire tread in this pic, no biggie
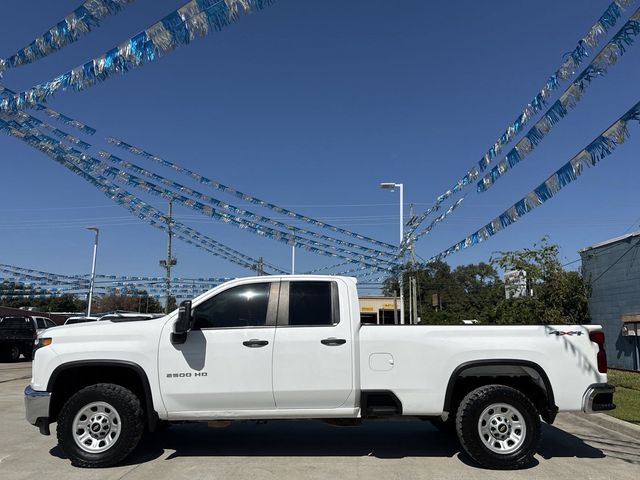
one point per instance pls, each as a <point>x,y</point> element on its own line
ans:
<point>132,415</point>
<point>472,445</point>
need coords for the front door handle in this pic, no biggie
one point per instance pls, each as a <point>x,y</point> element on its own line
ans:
<point>333,342</point>
<point>255,343</point>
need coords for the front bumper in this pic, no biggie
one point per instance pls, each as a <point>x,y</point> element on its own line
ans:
<point>37,407</point>
<point>598,398</point>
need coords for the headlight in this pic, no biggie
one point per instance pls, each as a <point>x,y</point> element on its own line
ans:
<point>42,342</point>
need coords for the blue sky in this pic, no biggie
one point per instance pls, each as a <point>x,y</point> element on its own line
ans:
<point>310,105</point>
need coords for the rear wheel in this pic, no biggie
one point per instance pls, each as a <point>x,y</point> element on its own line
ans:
<point>100,425</point>
<point>498,427</point>
<point>11,353</point>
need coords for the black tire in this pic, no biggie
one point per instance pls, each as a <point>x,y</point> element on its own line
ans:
<point>128,407</point>
<point>468,427</point>
<point>12,353</point>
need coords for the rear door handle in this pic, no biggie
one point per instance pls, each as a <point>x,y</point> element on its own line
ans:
<point>255,343</point>
<point>333,342</point>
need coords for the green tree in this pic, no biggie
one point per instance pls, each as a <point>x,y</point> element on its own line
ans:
<point>558,296</point>
<point>465,293</point>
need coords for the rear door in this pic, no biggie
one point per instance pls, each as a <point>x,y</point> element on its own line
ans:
<point>312,356</point>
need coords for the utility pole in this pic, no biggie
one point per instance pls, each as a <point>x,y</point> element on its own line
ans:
<point>412,246</point>
<point>170,260</point>
<point>260,267</point>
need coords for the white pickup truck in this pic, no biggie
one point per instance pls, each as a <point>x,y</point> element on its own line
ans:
<point>292,347</point>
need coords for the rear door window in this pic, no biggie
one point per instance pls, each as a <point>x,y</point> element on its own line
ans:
<point>312,303</point>
<point>40,323</point>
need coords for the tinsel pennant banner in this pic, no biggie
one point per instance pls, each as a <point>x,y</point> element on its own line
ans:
<point>242,195</point>
<point>142,210</point>
<point>65,32</point>
<point>101,168</point>
<point>194,19</point>
<point>231,208</point>
<point>71,159</point>
<point>568,67</point>
<point>568,100</point>
<point>109,278</point>
<point>604,24</point>
<point>54,114</point>
<point>590,156</point>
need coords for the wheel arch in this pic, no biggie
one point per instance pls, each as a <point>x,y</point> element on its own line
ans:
<point>492,369</point>
<point>63,375</point>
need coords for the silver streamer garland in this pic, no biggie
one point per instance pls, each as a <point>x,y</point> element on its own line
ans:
<point>21,282</point>
<point>77,162</point>
<point>102,168</point>
<point>242,195</point>
<point>72,122</point>
<point>194,19</point>
<point>142,210</point>
<point>606,22</point>
<point>590,156</point>
<point>229,207</point>
<point>65,32</point>
<point>608,56</point>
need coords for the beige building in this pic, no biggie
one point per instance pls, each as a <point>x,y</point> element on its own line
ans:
<point>380,310</point>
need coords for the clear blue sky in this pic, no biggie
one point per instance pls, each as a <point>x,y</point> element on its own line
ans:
<point>310,105</point>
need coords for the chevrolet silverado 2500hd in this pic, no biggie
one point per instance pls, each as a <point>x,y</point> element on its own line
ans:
<point>292,347</point>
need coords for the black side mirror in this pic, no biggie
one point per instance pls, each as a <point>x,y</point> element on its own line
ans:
<point>183,324</point>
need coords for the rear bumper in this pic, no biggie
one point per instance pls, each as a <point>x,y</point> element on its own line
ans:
<point>598,398</point>
<point>37,408</point>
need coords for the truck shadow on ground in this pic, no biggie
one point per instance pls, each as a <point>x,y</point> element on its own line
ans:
<point>382,440</point>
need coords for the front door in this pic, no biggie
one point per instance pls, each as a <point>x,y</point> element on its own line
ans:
<point>312,358</point>
<point>225,363</point>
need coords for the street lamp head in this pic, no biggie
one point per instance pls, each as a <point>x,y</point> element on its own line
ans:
<point>388,185</point>
<point>94,229</point>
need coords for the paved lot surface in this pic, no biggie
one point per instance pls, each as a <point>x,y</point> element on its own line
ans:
<point>574,448</point>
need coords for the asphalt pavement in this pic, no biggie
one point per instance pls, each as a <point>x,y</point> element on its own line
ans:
<point>573,448</point>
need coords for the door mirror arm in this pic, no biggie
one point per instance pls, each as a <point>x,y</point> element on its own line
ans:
<point>183,324</point>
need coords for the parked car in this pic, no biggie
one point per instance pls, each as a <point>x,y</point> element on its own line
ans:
<point>18,333</point>
<point>293,347</point>
<point>128,316</point>
<point>80,319</point>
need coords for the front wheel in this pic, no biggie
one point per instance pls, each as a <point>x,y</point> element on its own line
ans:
<point>498,427</point>
<point>100,425</point>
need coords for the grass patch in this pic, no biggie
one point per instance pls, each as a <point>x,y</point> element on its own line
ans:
<point>627,396</point>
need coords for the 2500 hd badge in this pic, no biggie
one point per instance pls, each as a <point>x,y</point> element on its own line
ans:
<point>186,374</point>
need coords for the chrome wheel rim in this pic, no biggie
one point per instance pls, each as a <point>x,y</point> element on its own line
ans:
<point>502,428</point>
<point>96,427</point>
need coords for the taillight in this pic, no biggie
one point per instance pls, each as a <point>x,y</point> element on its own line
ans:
<point>598,338</point>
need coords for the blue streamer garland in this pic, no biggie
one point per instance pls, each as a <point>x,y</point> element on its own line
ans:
<point>142,210</point>
<point>242,195</point>
<point>604,24</point>
<point>101,168</point>
<point>53,114</point>
<point>608,56</point>
<point>227,206</point>
<point>78,162</point>
<point>590,156</point>
<point>65,32</point>
<point>194,19</point>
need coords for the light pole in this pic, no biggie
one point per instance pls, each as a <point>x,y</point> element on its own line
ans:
<point>392,186</point>
<point>93,268</point>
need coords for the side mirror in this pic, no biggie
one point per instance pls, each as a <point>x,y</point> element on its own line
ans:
<point>183,324</point>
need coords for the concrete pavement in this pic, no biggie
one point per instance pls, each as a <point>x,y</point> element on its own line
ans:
<point>574,448</point>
